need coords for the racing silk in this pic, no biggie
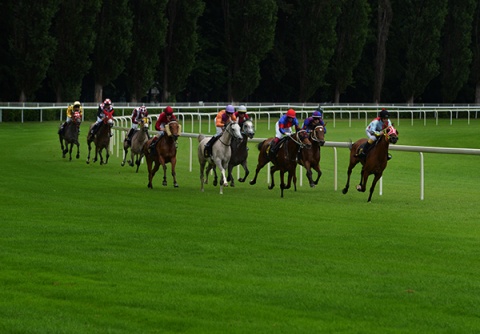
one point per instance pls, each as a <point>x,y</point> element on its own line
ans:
<point>376,126</point>
<point>241,118</point>
<point>310,126</point>
<point>102,108</point>
<point>70,111</point>
<point>162,121</point>
<point>222,119</point>
<point>285,124</point>
<point>138,113</point>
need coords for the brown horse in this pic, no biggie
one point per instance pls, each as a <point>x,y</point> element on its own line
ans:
<point>375,162</point>
<point>101,138</point>
<point>310,158</point>
<point>240,152</point>
<point>285,159</point>
<point>69,135</point>
<point>139,138</point>
<point>165,152</point>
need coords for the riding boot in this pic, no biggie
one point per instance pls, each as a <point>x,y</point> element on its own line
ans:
<point>272,149</point>
<point>151,148</point>
<point>207,152</point>
<point>94,129</point>
<point>129,136</point>
<point>363,152</point>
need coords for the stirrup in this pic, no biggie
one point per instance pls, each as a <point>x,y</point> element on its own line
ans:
<point>389,156</point>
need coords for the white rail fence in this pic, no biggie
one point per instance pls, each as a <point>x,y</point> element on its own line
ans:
<point>120,132</point>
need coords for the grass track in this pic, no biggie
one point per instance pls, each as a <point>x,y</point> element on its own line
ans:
<point>89,249</point>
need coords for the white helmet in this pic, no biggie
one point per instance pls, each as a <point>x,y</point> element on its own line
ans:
<point>241,108</point>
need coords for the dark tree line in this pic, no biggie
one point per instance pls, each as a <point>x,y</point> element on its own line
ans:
<point>413,51</point>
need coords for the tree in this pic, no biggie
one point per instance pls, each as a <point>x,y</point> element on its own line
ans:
<point>181,45</point>
<point>248,37</point>
<point>310,40</point>
<point>421,26</point>
<point>384,20</point>
<point>73,27</point>
<point>475,69</point>
<point>113,44</point>
<point>457,54</point>
<point>30,44</point>
<point>352,29</point>
<point>148,35</point>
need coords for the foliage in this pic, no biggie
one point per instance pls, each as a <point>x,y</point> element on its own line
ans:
<point>148,36</point>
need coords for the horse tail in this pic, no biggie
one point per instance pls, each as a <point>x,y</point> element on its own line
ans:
<point>200,137</point>
<point>259,146</point>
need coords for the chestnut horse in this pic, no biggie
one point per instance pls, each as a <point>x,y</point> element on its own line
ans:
<point>285,159</point>
<point>70,135</point>
<point>139,139</point>
<point>375,162</point>
<point>310,158</point>
<point>101,138</point>
<point>165,152</point>
<point>240,152</point>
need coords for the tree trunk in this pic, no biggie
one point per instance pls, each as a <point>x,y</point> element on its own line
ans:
<point>98,92</point>
<point>477,93</point>
<point>384,19</point>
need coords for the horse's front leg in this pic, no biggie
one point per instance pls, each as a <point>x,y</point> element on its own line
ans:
<point>282,182</point>
<point>89,149</point>
<point>78,150</point>
<point>173,163</point>
<point>273,169</point>
<point>363,181</point>
<point>70,151</point>
<point>139,160</point>
<point>372,188</point>
<point>245,169</point>
<point>319,173</point>
<point>107,155</point>
<point>132,158</point>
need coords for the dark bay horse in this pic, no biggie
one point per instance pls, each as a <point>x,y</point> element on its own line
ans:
<point>165,152</point>
<point>285,159</point>
<point>221,154</point>
<point>240,152</point>
<point>139,138</point>
<point>101,138</point>
<point>70,135</point>
<point>375,162</point>
<point>310,158</point>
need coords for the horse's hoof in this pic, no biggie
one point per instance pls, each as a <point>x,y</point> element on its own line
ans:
<point>164,183</point>
<point>215,183</point>
<point>344,191</point>
<point>312,185</point>
<point>123,164</point>
<point>359,187</point>
<point>241,180</point>
<point>175,185</point>
<point>252,182</point>
<point>232,185</point>
<point>270,187</point>
<point>225,184</point>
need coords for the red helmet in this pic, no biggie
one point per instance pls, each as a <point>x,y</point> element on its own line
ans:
<point>291,113</point>
<point>107,102</point>
<point>168,110</point>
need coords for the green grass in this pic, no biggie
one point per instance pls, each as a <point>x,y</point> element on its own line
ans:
<point>89,249</point>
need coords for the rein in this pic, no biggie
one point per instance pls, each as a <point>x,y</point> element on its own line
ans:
<point>297,140</point>
<point>314,135</point>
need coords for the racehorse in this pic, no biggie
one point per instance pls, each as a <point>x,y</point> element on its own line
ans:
<point>101,138</point>
<point>310,158</point>
<point>240,152</point>
<point>139,139</point>
<point>221,154</point>
<point>375,162</point>
<point>69,135</point>
<point>285,159</point>
<point>165,152</point>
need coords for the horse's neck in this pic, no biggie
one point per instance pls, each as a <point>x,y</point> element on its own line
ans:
<point>226,138</point>
<point>382,144</point>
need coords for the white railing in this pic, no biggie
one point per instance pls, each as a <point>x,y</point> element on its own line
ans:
<point>121,131</point>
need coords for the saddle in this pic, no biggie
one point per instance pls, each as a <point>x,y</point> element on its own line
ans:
<point>272,149</point>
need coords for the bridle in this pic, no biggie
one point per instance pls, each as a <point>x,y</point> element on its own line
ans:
<point>296,138</point>
<point>314,133</point>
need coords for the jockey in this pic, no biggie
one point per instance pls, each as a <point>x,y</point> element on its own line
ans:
<point>221,120</point>
<point>374,130</point>
<point>283,128</point>
<point>105,106</point>
<point>241,114</point>
<point>165,117</point>
<point>138,113</point>
<point>315,120</point>
<point>75,107</point>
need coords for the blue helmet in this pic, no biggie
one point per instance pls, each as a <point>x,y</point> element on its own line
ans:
<point>230,109</point>
<point>317,114</point>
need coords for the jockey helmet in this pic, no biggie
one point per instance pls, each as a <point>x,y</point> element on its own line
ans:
<point>291,113</point>
<point>230,109</point>
<point>107,102</point>
<point>317,114</point>
<point>242,109</point>
<point>168,110</point>
<point>384,113</point>
<point>77,104</point>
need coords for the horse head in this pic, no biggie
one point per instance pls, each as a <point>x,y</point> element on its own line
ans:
<point>144,124</point>
<point>318,135</point>
<point>108,119</point>
<point>301,138</point>
<point>173,129</point>
<point>234,129</point>
<point>391,134</point>
<point>77,118</point>
<point>248,129</point>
